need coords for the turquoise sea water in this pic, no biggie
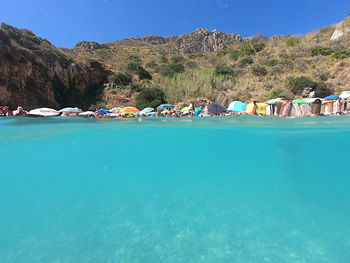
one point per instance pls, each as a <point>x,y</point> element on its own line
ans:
<point>233,189</point>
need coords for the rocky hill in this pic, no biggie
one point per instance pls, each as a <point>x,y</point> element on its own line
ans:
<point>208,64</point>
<point>35,73</point>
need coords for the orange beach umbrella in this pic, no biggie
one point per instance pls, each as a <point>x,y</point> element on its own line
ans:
<point>129,110</point>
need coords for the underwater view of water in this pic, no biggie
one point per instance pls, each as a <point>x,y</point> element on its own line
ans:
<point>230,189</point>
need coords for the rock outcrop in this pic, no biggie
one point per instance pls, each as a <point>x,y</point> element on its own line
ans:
<point>154,39</point>
<point>341,30</point>
<point>204,41</point>
<point>88,46</point>
<point>34,73</point>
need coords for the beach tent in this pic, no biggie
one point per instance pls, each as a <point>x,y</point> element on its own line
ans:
<point>272,106</point>
<point>165,106</point>
<point>214,108</point>
<point>332,97</point>
<point>44,112</point>
<point>237,106</point>
<point>261,108</point>
<point>129,110</point>
<point>328,107</point>
<point>300,110</point>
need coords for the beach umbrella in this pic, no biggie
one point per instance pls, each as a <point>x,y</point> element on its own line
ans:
<point>331,97</point>
<point>237,106</point>
<point>214,108</point>
<point>344,94</point>
<point>105,111</point>
<point>311,100</point>
<point>68,110</point>
<point>145,110</point>
<point>165,106</point>
<point>299,101</point>
<point>273,101</point>
<point>87,113</point>
<point>151,113</point>
<point>129,110</point>
<point>44,112</point>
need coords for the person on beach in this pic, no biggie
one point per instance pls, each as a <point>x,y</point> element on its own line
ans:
<point>4,111</point>
<point>316,108</point>
<point>339,106</point>
<point>20,112</point>
<point>255,108</point>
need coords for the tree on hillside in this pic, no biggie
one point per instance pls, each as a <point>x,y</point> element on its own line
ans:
<point>150,97</point>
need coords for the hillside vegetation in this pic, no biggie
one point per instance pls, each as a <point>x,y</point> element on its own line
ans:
<point>221,67</point>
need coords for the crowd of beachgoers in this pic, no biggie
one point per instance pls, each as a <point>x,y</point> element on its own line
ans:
<point>330,105</point>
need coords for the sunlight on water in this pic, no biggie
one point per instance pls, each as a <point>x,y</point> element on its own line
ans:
<point>235,189</point>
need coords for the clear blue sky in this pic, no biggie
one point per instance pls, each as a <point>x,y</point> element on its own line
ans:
<point>66,22</point>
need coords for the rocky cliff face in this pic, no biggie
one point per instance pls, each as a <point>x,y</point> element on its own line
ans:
<point>34,73</point>
<point>204,41</point>
<point>154,39</point>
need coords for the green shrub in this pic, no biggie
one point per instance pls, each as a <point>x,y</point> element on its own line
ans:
<point>324,51</point>
<point>172,69</point>
<point>246,61</point>
<point>247,49</point>
<point>287,62</point>
<point>144,74</point>
<point>259,70</point>
<point>234,55</point>
<point>121,79</point>
<point>342,53</point>
<point>276,94</point>
<point>163,59</point>
<point>272,62</point>
<point>151,64</point>
<point>258,47</point>
<point>150,97</point>
<point>326,30</point>
<point>135,68</point>
<point>292,41</point>
<point>297,85</point>
<point>191,64</point>
<point>224,71</point>
<point>177,59</point>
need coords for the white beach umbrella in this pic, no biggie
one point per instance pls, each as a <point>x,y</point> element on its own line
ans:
<point>69,109</point>
<point>87,113</point>
<point>44,112</point>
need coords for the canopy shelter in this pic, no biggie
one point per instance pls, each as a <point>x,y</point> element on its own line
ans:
<point>237,106</point>
<point>331,97</point>
<point>261,108</point>
<point>44,112</point>
<point>214,108</point>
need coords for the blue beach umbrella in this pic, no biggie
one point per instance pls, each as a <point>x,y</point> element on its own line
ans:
<point>105,111</point>
<point>214,108</point>
<point>331,97</point>
<point>237,106</point>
